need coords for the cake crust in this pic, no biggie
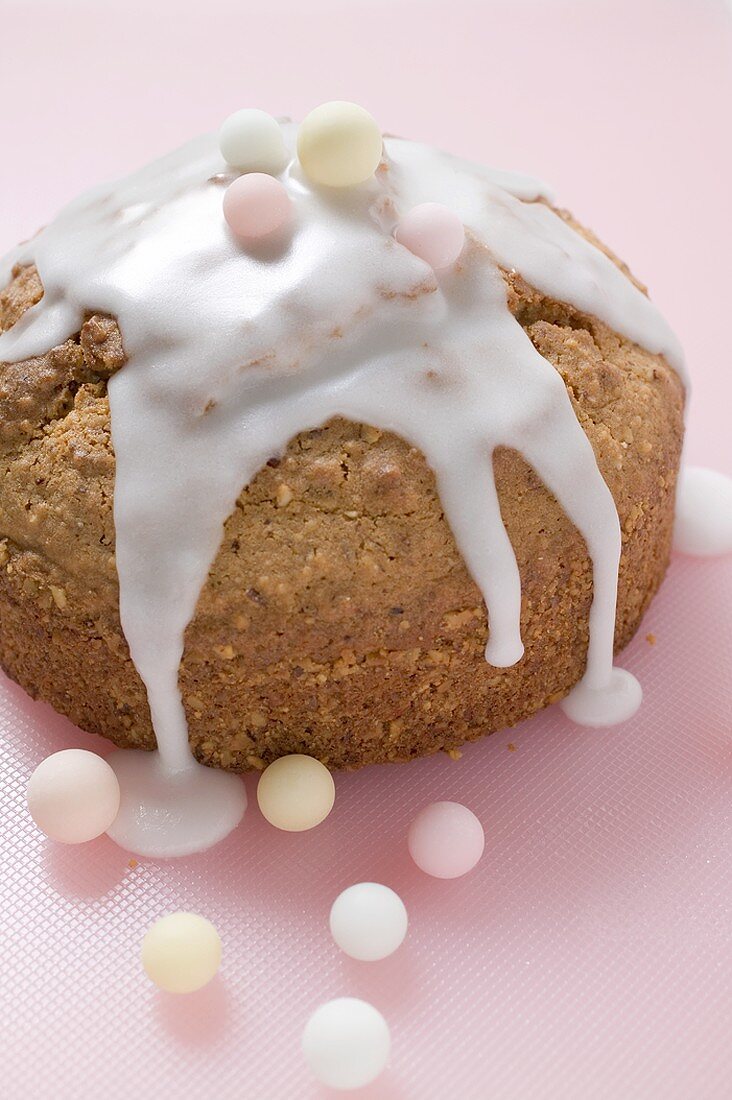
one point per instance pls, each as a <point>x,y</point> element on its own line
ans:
<point>338,619</point>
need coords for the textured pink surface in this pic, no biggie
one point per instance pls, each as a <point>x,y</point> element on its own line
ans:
<point>590,952</point>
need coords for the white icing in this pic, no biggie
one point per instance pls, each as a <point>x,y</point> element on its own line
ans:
<point>166,811</point>
<point>233,351</point>
<point>703,525</point>
<point>600,704</point>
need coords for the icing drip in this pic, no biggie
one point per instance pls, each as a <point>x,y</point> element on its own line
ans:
<point>234,350</point>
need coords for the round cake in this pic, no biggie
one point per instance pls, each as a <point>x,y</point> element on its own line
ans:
<point>339,618</point>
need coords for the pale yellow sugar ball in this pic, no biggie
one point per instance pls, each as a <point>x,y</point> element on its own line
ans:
<point>181,952</point>
<point>296,793</point>
<point>339,144</point>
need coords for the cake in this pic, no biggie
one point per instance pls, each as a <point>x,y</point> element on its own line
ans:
<point>300,527</point>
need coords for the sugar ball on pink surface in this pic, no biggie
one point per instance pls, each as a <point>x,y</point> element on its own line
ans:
<point>433,232</point>
<point>256,205</point>
<point>346,1043</point>
<point>181,953</point>
<point>446,839</point>
<point>368,921</point>
<point>296,793</point>
<point>73,796</point>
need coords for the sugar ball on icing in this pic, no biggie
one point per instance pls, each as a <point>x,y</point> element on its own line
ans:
<point>296,793</point>
<point>73,796</point>
<point>368,921</point>
<point>181,952</point>
<point>339,144</point>
<point>346,1043</point>
<point>252,141</point>
<point>446,839</point>
<point>255,205</point>
<point>433,232</point>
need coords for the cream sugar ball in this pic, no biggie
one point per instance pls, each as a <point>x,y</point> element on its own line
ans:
<point>252,141</point>
<point>181,952</point>
<point>296,793</point>
<point>368,921</point>
<point>73,796</point>
<point>346,1043</point>
<point>339,144</point>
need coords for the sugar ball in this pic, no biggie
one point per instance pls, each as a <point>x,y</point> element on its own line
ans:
<point>296,793</point>
<point>433,232</point>
<point>339,144</point>
<point>703,524</point>
<point>368,921</point>
<point>256,205</point>
<point>446,839</point>
<point>346,1043</point>
<point>73,796</point>
<point>181,952</point>
<point>252,141</point>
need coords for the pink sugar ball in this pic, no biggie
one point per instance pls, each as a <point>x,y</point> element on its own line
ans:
<point>446,839</point>
<point>432,232</point>
<point>255,205</point>
<point>73,796</point>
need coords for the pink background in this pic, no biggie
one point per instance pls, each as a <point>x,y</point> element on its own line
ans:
<point>590,953</point>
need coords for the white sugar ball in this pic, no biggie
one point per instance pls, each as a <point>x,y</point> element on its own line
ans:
<point>346,1043</point>
<point>73,796</point>
<point>181,952</point>
<point>703,524</point>
<point>296,793</point>
<point>252,141</point>
<point>368,921</point>
<point>339,144</point>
